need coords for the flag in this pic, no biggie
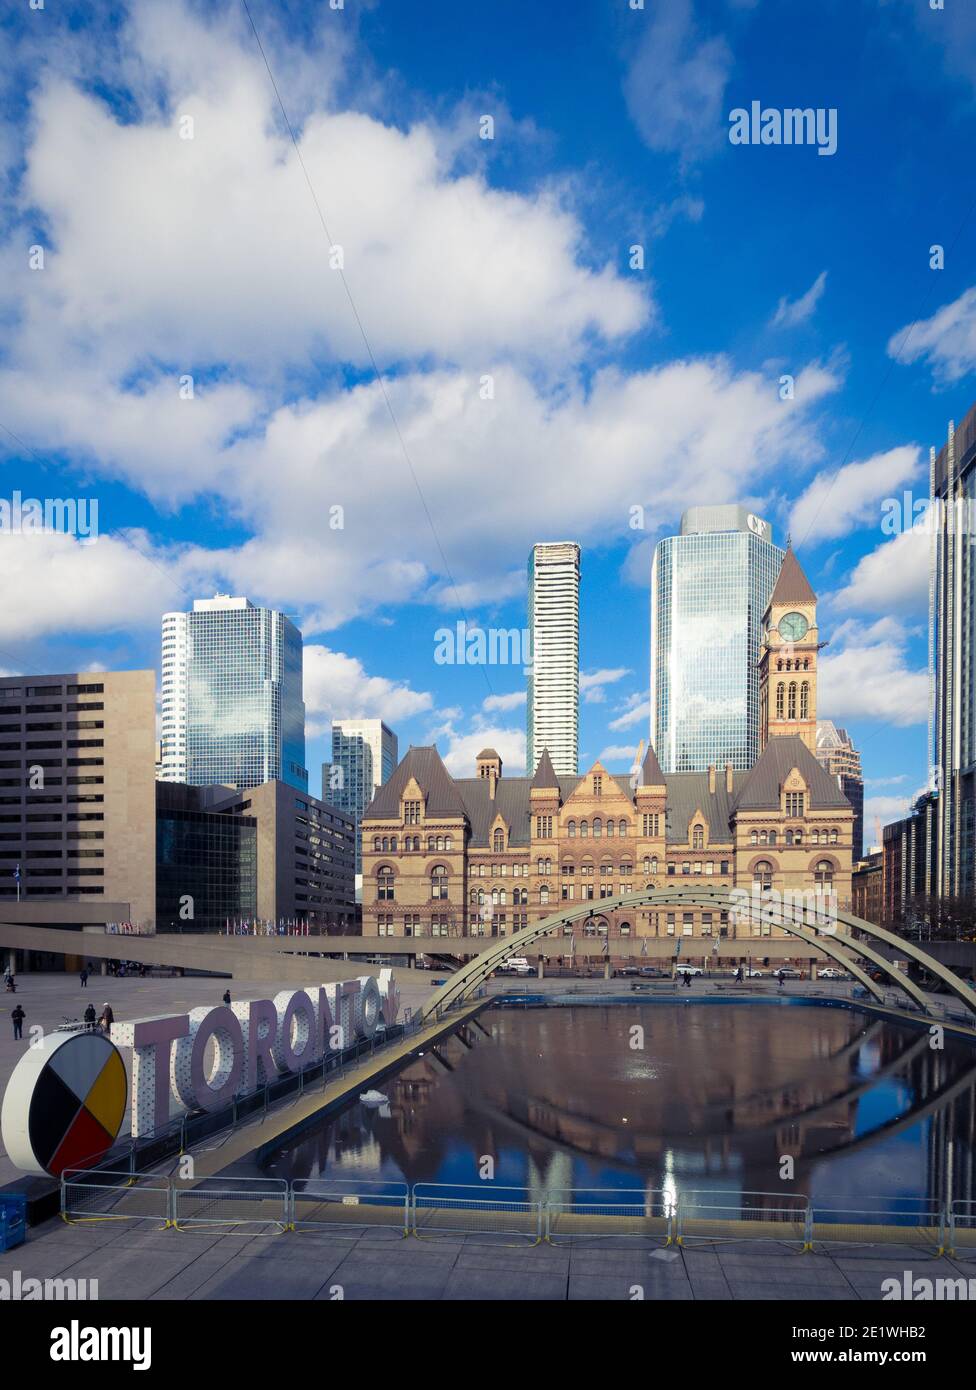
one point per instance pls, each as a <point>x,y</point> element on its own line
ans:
<point>16,873</point>
<point>643,946</point>
<point>605,948</point>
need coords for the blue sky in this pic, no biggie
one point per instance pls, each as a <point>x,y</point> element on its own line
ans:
<point>144,151</point>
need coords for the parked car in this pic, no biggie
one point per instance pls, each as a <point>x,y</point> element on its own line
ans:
<point>750,974</point>
<point>515,965</point>
<point>652,972</point>
<point>626,970</point>
<point>786,972</point>
<point>688,970</point>
<point>831,972</point>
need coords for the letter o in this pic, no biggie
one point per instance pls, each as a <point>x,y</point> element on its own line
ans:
<point>299,1011</point>
<point>367,1008</point>
<point>219,1089</point>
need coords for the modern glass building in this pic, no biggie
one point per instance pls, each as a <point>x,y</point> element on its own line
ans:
<point>206,863</point>
<point>364,754</point>
<point>710,586</point>
<point>234,696</point>
<point>552,717</point>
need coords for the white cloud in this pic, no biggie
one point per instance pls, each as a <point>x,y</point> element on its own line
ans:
<point>893,578</point>
<point>618,753</point>
<point>504,702</point>
<point>869,676</point>
<point>947,341</point>
<point>835,503</point>
<point>789,313</point>
<point>593,684</point>
<point>676,82</point>
<point>637,711</point>
<point>463,748</point>
<point>338,687</point>
<point>884,809</point>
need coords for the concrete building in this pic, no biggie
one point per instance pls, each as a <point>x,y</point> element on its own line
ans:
<point>867,888</point>
<point>910,859</point>
<point>709,588</point>
<point>487,855</point>
<point>305,855</point>
<point>552,711</point>
<point>364,754</point>
<point>232,706</point>
<point>77,789</point>
<point>836,754</point>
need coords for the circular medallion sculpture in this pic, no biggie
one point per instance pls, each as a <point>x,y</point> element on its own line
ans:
<point>64,1103</point>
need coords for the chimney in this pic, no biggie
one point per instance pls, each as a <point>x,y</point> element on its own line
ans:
<point>711,779</point>
<point>728,778</point>
<point>492,783</point>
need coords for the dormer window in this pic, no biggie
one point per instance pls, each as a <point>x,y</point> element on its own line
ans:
<point>794,804</point>
<point>698,837</point>
<point>411,813</point>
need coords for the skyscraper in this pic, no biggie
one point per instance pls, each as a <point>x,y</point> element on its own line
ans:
<point>710,586</point>
<point>835,752</point>
<point>232,696</point>
<point>364,754</point>
<point>552,720</point>
<point>952,651</point>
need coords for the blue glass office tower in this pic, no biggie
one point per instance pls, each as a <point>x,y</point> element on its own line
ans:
<point>709,589</point>
<point>245,716</point>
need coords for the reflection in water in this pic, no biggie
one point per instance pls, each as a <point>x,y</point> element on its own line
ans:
<point>714,1099</point>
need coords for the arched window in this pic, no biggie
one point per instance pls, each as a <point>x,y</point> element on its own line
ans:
<point>764,837</point>
<point>384,884</point>
<point>653,869</point>
<point>597,828</point>
<point>610,829</point>
<point>623,828</point>
<point>754,838</point>
<point>833,837</point>
<point>698,838</point>
<point>571,827</point>
<point>448,843</point>
<point>377,845</point>
<point>498,841</point>
<point>544,895</point>
<point>815,837</point>
<point>823,875</point>
<point>779,699</point>
<point>762,875</point>
<point>647,865</point>
<point>584,829</point>
<point>438,881</point>
<point>393,843</point>
<point>772,837</point>
<point>805,700</point>
<point>791,702</point>
<point>473,897</point>
<point>431,844</point>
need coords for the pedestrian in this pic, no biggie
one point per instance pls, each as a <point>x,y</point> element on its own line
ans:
<point>107,1019</point>
<point>90,1018</point>
<point>226,996</point>
<point>18,1017</point>
<point>84,978</point>
<point>780,977</point>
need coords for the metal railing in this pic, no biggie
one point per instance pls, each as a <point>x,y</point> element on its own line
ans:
<point>100,1195</point>
<point>239,1203</point>
<point>442,1209</point>
<point>350,1208</point>
<point>354,1210</point>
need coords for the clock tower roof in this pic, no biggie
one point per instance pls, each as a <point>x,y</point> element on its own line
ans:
<point>792,586</point>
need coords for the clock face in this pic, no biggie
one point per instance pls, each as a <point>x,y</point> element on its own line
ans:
<point>793,627</point>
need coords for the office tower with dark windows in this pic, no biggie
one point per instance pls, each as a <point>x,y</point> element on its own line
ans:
<point>836,754</point>
<point>710,586</point>
<point>552,719</point>
<point>949,533</point>
<point>364,755</point>
<point>233,710</point>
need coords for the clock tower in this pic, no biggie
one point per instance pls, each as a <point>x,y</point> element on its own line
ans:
<point>788,658</point>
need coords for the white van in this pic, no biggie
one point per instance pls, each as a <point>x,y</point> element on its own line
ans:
<point>516,965</point>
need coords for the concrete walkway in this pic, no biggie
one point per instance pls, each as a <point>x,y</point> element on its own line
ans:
<point>133,1263</point>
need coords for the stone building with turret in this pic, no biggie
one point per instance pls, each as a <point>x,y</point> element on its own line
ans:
<point>486,855</point>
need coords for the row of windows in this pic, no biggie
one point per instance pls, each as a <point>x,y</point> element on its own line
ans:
<point>789,693</point>
<point>827,836</point>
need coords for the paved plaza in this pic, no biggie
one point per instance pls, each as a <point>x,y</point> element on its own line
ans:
<point>130,1262</point>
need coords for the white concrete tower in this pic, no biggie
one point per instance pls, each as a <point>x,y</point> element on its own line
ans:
<point>553,684</point>
<point>172,764</point>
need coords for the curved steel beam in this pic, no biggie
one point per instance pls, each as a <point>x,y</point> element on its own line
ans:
<point>833,943</point>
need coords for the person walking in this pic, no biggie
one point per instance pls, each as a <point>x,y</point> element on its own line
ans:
<point>84,978</point>
<point>90,1018</point>
<point>107,1019</point>
<point>226,996</point>
<point>18,1017</point>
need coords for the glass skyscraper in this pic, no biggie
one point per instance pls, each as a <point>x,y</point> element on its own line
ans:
<point>709,589</point>
<point>237,690</point>
<point>364,755</point>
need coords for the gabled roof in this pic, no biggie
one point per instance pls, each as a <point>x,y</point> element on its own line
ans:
<point>487,753</point>
<point>545,774</point>
<point>763,784</point>
<point>792,586</point>
<point>437,784</point>
<point>688,792</point>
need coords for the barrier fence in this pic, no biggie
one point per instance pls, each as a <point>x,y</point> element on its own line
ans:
<point>353,1209</point>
